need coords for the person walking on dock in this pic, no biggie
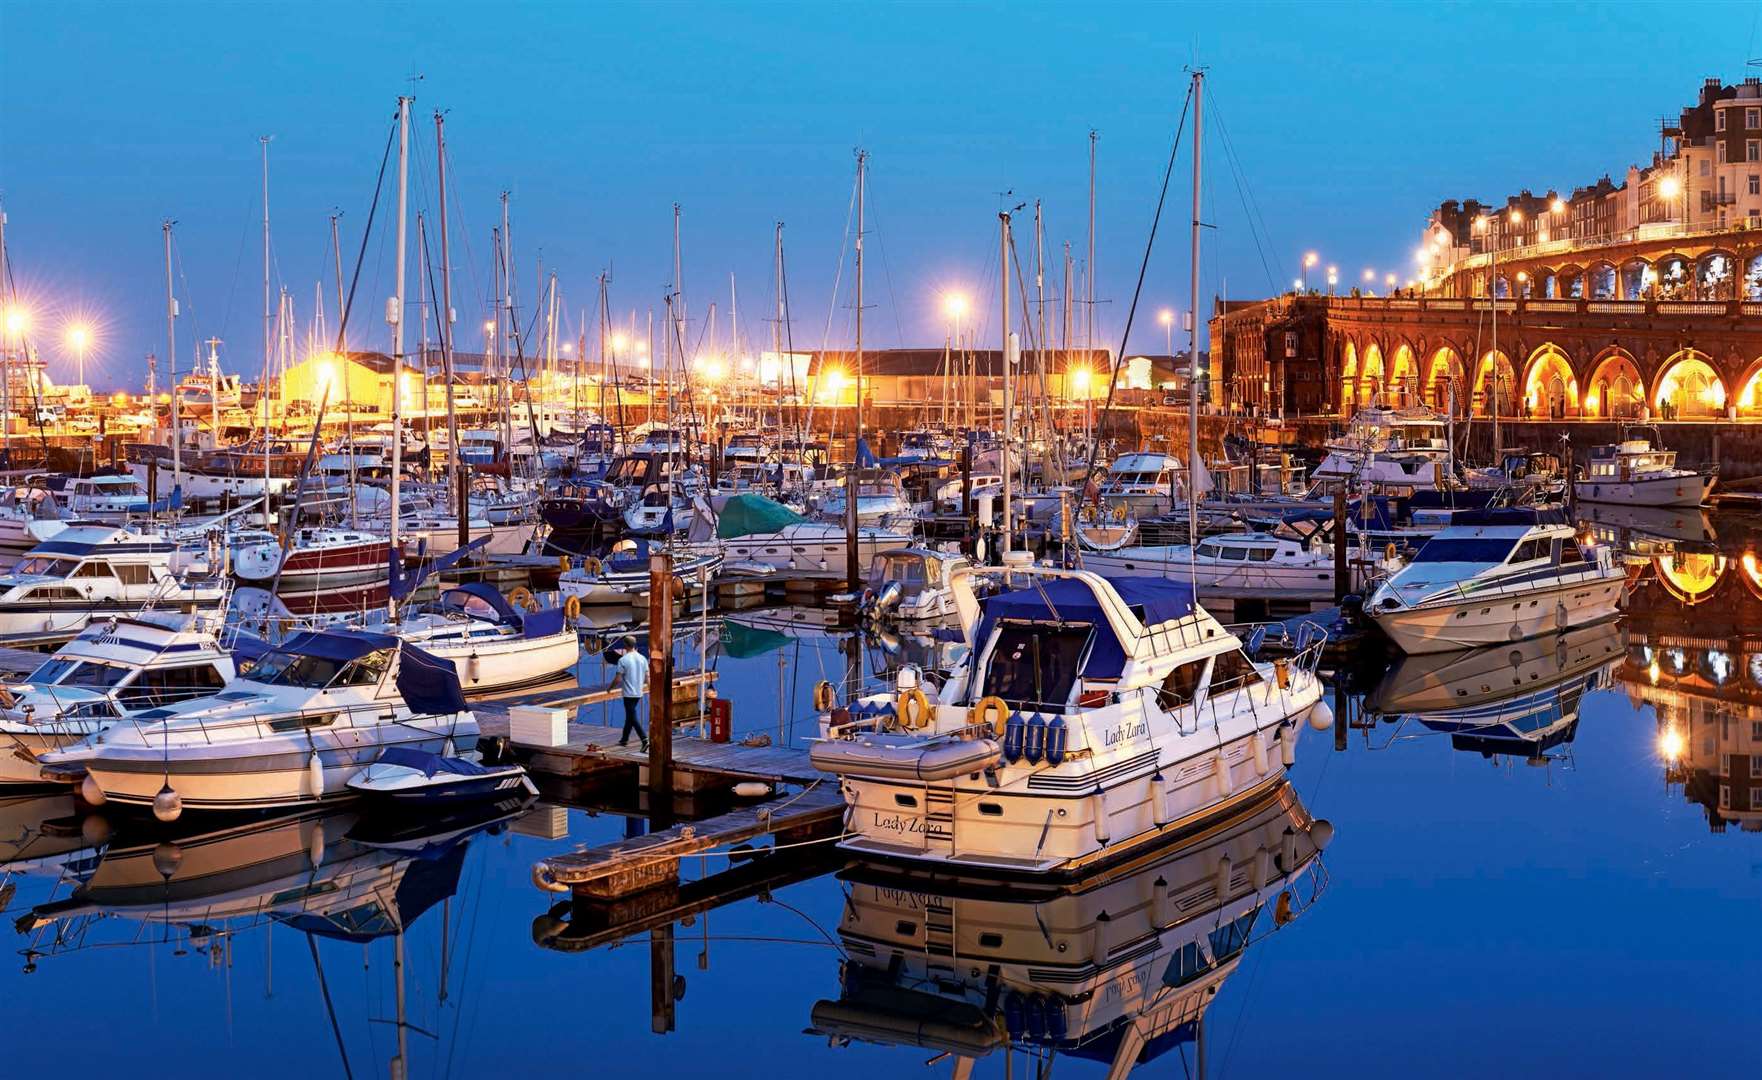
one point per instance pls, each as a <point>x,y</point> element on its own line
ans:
<point>630,675</point>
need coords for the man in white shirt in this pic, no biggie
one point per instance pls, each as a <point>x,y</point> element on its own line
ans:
<point>630,675</point>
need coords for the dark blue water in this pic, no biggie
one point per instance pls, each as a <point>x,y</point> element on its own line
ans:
<point>1589,906</point>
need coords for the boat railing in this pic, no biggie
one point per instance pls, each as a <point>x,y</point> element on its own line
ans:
<point>1461,590</point>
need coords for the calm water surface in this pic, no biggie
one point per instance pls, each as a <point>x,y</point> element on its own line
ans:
<point>1582,899</point>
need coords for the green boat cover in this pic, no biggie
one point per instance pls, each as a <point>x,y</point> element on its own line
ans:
<point>751,515</point>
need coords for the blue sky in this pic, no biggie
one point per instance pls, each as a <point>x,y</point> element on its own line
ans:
<point>1344,122</point>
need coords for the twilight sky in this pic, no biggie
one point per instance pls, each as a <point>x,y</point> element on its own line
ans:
<point>1340,124</point>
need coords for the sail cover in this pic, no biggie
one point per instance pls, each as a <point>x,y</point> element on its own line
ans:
<point>751,515</point>
<point>430,685</point>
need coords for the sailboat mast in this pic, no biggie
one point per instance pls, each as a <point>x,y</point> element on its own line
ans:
<point>397,321</point>
<point>1193,464</point>
<point>1089,266</point>
<point>263,382</point>
<point>853,572</point>
<point>1008,341</point>
<point>447,317</point>
<point>513,336</point>
<point>777,328</point>
<point>177,466</point>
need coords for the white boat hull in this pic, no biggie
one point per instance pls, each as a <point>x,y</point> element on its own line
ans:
<point>1490,620</point>
<point>1237,580</point>
<point>1689,489</point>
<point>510,662</point>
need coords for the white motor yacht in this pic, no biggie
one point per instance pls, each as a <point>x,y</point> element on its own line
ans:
<point>1087,718</point>
<point>1634,473</point>
<point>91,572</point>
<point>623,576</point>
<point>115,669</point>
<point>296,724</point>
<point>492,646</point>
<point>28,516</point>
<point>1145,483</point>
<point>1496,576</point>
<point>913,585</point>
<point>111,498</point>
<point>881,500</point>
<point>1237,566</point>
<point>753,529</point>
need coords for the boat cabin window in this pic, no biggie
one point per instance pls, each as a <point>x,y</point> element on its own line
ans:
<point>1530,550</point>
<point>1260,554</point>
<point>316,672</point>
<point>93,569</point>
<point>133,573</point>
<point>1570,552</point>
<point>1233,671</point>
<point>163,686</point>
<point>1034,666</point>
<point>905,569</point>
<point>90,674</point>
<point>53,592</point>
<point>1208,551</point>
<point>47,566</point>
<point>1181,685</point>
<point>1464,549</point>
<point>1235,553</point>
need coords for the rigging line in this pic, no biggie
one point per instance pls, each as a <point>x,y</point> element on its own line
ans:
<point>832,308</point>
<point>1137,292</point>
<point>329,1007</point>
<point>1250,204</point>
<point>886,271</point>
<point>361,253</point>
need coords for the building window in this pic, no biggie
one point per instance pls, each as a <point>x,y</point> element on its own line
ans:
<point>1718,119</point>
<point>1755,184</point>
<point>1706,167</point>
<point>1753,149</point>
<point>1753,117</point>
<point>1720,151</point>
<point>1755,766</point>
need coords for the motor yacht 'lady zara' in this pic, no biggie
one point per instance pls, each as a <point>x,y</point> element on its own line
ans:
<point>291,730</point>
<point>1086,718</point>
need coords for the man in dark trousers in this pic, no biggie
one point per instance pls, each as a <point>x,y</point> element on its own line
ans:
<point>630,675</point>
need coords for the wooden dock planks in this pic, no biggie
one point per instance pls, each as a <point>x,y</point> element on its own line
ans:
<point>644,862</point>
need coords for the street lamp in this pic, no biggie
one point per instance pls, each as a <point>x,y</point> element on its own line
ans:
<point>79,336</point>
<point>1167,318</point>
<point>1309,260</point>
<point>1333,278</point>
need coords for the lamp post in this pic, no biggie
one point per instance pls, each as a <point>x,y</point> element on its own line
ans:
<point>1333,278</point>
<point>78,337</point>
<point>1309,260</point>
<point>1167,318</point>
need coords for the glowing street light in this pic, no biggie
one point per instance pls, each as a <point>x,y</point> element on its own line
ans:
<point>1558,206</point>
<point>1369,274</point>
<point>1669,187</point>
<point>954,305</point>
<point>18,320</point>
<point>79,336</point>
<point>1167,318</point>
<point>1309,260</point>
<point>1333,278</point>
<point>1389,280</point>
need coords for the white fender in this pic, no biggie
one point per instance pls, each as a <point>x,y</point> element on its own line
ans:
<point>1098,944</point>
<point>91,792</point>
<point>1221,878</point>
<point>1321,718</point>
<point>1262,870</point>
<point>473,668</point>
<point>1159,799</point>
<point>1288,850</point>
<point>1257,743</point>
<point>1288,746</point>
<point>168,805</point>
<point>1098,808</point>
<point>1220,771</point>
<point>315,775</point>
<point>1159,902</point>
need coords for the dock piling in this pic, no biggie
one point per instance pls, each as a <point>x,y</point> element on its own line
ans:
<point>661,678</point>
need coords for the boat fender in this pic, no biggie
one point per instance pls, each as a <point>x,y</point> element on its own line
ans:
<point>1159,799</point>
<point>1321,833</point>
<point>572,608</point>
<point>315,775</point>
<point>1282,912</point>
<point>1056,734</point>
<point>473,669</point>
<point>168,805</point>
<point>1321,718</point>
<point>1389,551</point>
<point>913,710</point>
<point>1098,810</point>
<point>562,564</point>
<point>1262,870</point>
<point>1288,746</point>
<point>1221,880</point>
<point>91,792</point>
<point>522,597</point>
<point>991,712</point>
<point>1258,745</point>
<point>1159,901</point>
<point>1035,1015</point>
<point>1098,940</point>
<point>1015,733</point>
<point>167,857</point>
<point>1034,748</point>
<point>96,830</point>
<point>1057,1023</point>
<point>1220,771</point>
<point>824,696</point>
<point>315,845</point>
<point>1014,1020</point>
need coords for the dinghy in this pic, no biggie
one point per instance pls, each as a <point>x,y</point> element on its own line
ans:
<point>405,775</point>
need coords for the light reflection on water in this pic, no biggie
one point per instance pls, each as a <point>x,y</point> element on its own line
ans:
<point>1543,864</point>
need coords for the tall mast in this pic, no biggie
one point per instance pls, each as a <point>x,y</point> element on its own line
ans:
<point>853,571</point>
<point>424,302</point>
<point>513,332</point>
<point>1089,266</point>
<point>1193,464</point>
<point>447,318</point>
<point>263,383</point>
<point>336,251</point>
<point>177,459</point>
<point>397,321</point>
<point>1009,340</point>
<point>777,331</point>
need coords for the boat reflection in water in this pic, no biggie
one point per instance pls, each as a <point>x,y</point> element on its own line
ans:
<point>1118,968</point>
<point>1520,700</point>
<point>330,873</point>
<point>1693,654</point>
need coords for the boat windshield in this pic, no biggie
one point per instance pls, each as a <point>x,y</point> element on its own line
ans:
<point>316,672</point>
<point>47,566</point>
<point>1034,665</point>
<point>906,569</point>
<point>1466,549</point>
<point>65,671</point>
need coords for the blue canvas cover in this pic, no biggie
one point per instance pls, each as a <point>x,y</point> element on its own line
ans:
<point>1069,600</point>
<point>456,599</point>
<point>543,623</point>
<point>430,685</point>
<point>339,645</point>
<point>428,763</point>
<point>402,587</point>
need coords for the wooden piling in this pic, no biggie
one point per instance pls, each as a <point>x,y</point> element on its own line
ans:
<point>661,678</point>
<point>1342,573</point>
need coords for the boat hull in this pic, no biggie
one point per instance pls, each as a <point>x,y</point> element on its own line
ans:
<point>1469,622</point>
<point>1687,490</point>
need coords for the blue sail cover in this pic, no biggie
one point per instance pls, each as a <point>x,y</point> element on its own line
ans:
<point>1069,600</point>
<point>339,645</point>
<point>402,587</point>
<point>430,685</point>
<point>543,623</point>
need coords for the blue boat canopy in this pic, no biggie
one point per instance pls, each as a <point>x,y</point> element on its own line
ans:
<point>338,645</point>
<point>429,684</point>
<point>1070,600</point>
<point>462,598</point>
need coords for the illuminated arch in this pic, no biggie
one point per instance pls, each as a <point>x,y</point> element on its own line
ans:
<point>1636,280</point>
<point>1749,399</point>
<point>1690,576</point>
<point>1549,386</point>
<point>1601,281</point>
<point>1403,376</point>
<point>1349,379</point>
<point>1616,390</point>
<point>1689,388</point>
<point>1484,384</point>
<point>1569,282</point>
<point>1752,569</point>
<point>1443,371</point>
<point>1370,373</point>
<point>1716,275</point>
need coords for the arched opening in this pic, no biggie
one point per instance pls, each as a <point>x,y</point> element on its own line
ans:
<point>1349,381</point>
<point>1753,277</point>
<point>1495,385</point>
<point>1689,388</point>
<point>1716,276</point>
<point>1636,279</point>
<point>1403,386</point>
<point>1569,283</point>
<point>1601,281</point>
<point>1749,399</point>
<point>1446,382</point>
<point>1370,374</point>
<point>1616,391</point>
<point>1549,387</point>
<point>1501,287</point>
<point>1674,281</point>
<point>1550,285</point>
<point>1690,576</point>
<point>1524,284</point>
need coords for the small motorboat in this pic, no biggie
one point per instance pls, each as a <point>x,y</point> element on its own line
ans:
<point>404,774</point>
